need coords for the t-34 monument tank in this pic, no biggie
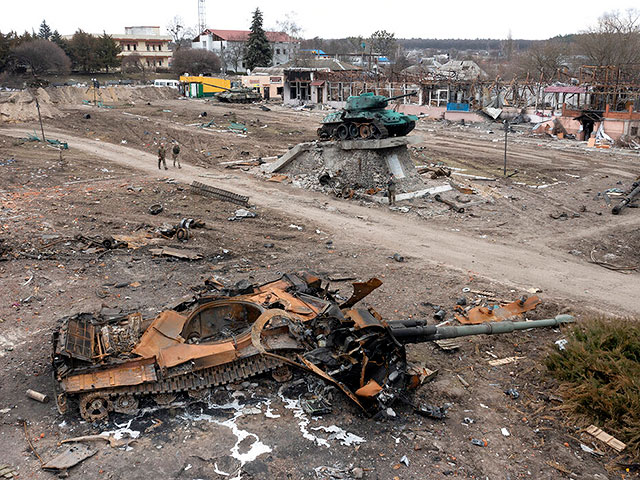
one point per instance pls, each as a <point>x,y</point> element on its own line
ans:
<point>366,116</point>
<point>117,364</point>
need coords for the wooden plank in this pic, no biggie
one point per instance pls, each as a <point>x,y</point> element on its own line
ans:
<point>606,438</point>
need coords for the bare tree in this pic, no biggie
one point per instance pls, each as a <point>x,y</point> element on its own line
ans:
<point>292,28</point>
<point>234,53</point>
<point>135,64</point>
<point>41,56</point>
<point>195,61</point>
<point>181,34</point>
<point>614,41</point>
<point>543,59</point>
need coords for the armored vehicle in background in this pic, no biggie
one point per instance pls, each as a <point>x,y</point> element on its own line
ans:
<point>366,116</point>
<point>117,364</point>
<point>238,95</point>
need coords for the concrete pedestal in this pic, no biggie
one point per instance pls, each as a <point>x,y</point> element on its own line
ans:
<point>354,163</point>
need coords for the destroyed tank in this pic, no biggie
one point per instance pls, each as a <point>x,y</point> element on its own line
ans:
<point>118,364</point>
<point>365,117</point>
<point>238,95</point>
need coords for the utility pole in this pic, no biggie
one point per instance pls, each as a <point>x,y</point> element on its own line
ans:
<point>39,116</point>
<point>506,131</point>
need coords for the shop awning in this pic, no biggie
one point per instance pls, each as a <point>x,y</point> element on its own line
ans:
<point>317,83</point>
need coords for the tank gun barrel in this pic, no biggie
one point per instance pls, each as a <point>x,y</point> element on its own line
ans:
<point>635,191</point>
<point>410,94</point>
<point>216,86</point>
<point>426,333</point>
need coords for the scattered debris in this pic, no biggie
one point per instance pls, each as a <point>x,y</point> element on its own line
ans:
<point>174,252</point>
<point>219,193</point>
<point>156,208</point>
<point>451,204</point>
<point>70,457</point>
<point>479,443</point>
<point>40,397</point>
<point>512,392</point>
<point>610,266</point>
<point>604,437</point>
<point>493,313</point>
<point>504,361</point>
<point>562,343</point>
<point>432,411</point>
<point>7,471</point>
<point>242,213</point>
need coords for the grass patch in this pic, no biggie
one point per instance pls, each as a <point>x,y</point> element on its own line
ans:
<point>600,375</point>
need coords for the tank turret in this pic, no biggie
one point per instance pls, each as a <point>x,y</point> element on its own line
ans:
<point>366,116</point>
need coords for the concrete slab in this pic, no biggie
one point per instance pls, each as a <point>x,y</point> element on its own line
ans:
<point>288,157</point>
<point>390,142</point>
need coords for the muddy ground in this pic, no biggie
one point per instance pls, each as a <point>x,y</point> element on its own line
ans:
<point>46,272</point>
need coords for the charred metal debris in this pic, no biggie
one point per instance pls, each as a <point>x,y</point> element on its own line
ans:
<point>223,335</point>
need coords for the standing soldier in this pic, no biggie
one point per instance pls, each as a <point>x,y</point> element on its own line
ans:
<point>174,154</point>
<point>162,154</point>
<point>391,189</point>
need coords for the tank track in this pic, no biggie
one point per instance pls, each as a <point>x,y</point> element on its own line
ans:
<point>182,382</point>
<point>206,378</point>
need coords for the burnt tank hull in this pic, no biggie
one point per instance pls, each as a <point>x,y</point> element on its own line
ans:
<point>117,364</point>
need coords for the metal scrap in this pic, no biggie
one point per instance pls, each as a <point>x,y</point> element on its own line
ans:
<point>70,457</point>
<point>220,194</point>
<point>176,253</point>
<point>482,314</point>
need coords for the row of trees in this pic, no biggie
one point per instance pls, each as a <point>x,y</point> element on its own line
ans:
<point>613,41</point>
<point>48,52</point>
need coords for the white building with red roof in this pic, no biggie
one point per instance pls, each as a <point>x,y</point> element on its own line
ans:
<point>229,45</point>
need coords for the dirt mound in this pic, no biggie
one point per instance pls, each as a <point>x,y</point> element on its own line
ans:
<point>111,95</point>
<point>21,107</point>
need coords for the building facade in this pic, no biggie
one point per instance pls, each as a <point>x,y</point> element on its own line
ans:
<point>229,46</point>
<point>148,44</point>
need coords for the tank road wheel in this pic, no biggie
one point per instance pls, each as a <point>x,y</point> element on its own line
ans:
<point>354,131</point>
<point>164,398</point>
<point>198,394</point>
<point>94,407</point>
<point>126,404</point>
<point>365,131</point>
<point>342,132</point>
<point>281,374</point>
<point>322,133</point>
<point>376,133</point>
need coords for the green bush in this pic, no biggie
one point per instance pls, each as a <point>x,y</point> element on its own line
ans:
<point>600,374</point>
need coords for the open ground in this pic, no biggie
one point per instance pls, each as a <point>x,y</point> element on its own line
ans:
<point>532,232</point>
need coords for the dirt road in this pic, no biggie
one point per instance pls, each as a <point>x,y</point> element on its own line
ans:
<point>536,264</point>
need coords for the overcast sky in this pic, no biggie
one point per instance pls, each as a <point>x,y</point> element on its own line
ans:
<point>326,19</point>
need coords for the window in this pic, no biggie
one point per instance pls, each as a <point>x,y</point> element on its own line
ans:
<point>159,63</point>
<point>148,47</point>
<point>128,46</point>
<point>135,46</point>
<point>277,51</point>
<point>284,51</point>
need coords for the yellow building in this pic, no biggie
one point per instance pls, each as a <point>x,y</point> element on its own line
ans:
<point>197,87</point>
